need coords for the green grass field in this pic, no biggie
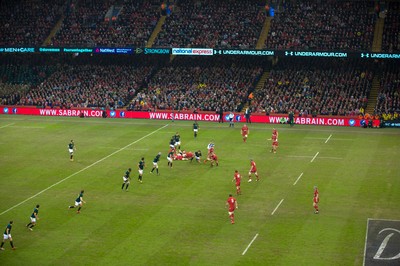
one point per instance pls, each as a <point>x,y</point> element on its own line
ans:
<point>179,217</point>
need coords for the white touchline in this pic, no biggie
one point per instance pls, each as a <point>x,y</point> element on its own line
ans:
<point>328,138</point>
<point>251,242</point>
<point>277,207</point>
<point>80,171</point>
<point>315,156</point>
<point>7,125</point>
<point>298,179</point>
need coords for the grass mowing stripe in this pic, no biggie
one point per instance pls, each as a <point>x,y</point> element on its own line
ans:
<point>315,156</point>
<point>251,242</point>
<point>277,207</point>
<point>80,171</point>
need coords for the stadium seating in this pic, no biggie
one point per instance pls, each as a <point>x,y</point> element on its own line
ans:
<point>323,25</point>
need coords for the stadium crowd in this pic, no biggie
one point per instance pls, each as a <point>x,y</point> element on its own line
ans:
<point>317,86</point>
<point>86,24</point>
<point>323,25</point>
<point>204,84</point>
<point>388,102</point>
<point>391,35</point>
<point>214,24</point>
<point>28,22</point>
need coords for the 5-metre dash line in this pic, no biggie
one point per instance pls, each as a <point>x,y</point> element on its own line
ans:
<point>80,171</point>
<point>315,156</point>
<point>298,179</point>
<point>251,242</point>
<point>328,138</point>
<point>277,207</point>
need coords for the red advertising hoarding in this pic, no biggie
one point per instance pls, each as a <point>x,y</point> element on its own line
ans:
<point>168,115</point>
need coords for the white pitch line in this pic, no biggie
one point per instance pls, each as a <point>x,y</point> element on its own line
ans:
<point>298,179</point>
<point>80,171</point>
<point>7,125</point>
<point>251,242</point>
<point>277,207</point>
<point>328,138</point>
<point>315,156</point>
<point>321,157</point>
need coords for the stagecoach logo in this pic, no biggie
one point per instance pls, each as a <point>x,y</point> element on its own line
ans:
<point>382,245</point>
<point>5,110</point>
<point>352,122</point>
<point>112,113</point>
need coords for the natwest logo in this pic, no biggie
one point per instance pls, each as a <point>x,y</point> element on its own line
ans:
<point>105,50</point>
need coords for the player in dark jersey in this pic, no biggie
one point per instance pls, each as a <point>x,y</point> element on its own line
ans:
<point>177,139</point>
<point>141,166</point>
<point>197,155</point>
<point>34,217</point>
<point>170,157</point>
<point>71,149</point>
<point>127,179</point>
<point>78,202</point>
<point>155,163</point>
<point>195,128</point>
<point>7,235</point>
<point>172,143</point>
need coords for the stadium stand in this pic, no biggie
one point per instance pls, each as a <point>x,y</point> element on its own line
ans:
<point>93,23</point>
<point>323,25</point>
<point>317,86</point>
<point>28,22</point>
<point>391,35</point>
<point>214,24</point>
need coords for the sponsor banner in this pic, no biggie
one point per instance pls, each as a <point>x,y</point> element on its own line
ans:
<point>192,51</point>
<point>17,49</point>
<point>49,50</point>
<point>77,50</point>
<point>203,116</point>
<point>391,123</point>
<point>380,55</point>
<point>315,54</point>
<point>157,51</point>
<point>244,52</point>
<point>382,243</point>
<point>100,50</point>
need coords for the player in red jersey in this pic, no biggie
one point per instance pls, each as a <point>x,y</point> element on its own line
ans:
<point>253,170</point>
<point>275,132</point>
<point>188,155</point>
<point>316,200</point>
<point>275,143</point>
<point>237,178</point>
<point>245,132</point>
<point>210,149</point>
<point>231,203</point>
<point>214,159</point>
